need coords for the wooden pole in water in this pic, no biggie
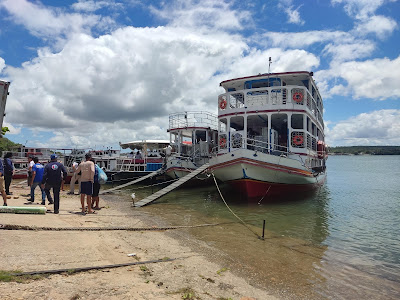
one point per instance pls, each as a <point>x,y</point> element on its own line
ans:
<point>263,229</point>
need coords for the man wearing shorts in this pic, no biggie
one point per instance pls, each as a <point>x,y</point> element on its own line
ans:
<point>87,177</point>
<point>3,193</point>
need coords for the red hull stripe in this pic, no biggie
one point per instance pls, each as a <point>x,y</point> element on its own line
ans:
<point>263,165</point>
<point>255,190</point>
<point>180,169</point>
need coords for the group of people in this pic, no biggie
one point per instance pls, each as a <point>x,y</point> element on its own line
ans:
<point>51,176</point>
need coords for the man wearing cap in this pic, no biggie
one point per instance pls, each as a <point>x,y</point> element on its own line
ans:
<point>87,177</point>
<point>53,175</point>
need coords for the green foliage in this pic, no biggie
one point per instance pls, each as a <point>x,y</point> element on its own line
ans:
<point>6,144</point>
<point>372,150</point>
<point>7,276</point>
<point>4,130</point>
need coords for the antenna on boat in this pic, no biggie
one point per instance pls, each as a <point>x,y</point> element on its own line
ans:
<point>269,65</point>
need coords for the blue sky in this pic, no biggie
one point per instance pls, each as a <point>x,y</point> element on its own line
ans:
<point>90,74</point>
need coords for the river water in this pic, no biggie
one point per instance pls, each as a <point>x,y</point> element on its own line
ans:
<point>341,242</point>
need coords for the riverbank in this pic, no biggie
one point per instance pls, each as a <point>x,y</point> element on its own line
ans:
<point>191,275</point>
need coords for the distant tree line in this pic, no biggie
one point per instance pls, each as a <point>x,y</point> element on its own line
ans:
<point>6,145</point>
<point>372,150</point>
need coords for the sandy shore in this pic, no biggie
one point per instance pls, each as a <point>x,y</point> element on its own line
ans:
<point>192,275</point>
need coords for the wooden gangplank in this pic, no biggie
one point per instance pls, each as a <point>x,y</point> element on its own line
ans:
<point>159,171</point>
<point>171,187</point>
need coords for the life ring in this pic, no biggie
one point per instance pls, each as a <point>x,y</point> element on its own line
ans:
<point>298,97</point>
<point>222,104</point>
<point>298,140</point>
<point>222,142</point>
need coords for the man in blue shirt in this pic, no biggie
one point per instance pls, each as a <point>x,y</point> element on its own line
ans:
<point>36,180</point>
<point>3,193</point>
<point>54,174</point>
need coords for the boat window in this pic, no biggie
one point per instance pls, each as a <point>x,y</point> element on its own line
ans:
<point>297,121</point>
<point>222,125</point>
<point>257,125</point>
<point>314,129</point>
<point>308,124</point>
<point>200,135</point>
<point>280,131</point>
<point>262,83</point>
<point>257,132</point>
<point>236,123</point>
<point>236,100</point>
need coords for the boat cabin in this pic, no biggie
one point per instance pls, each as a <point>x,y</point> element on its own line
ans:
<point>279,114</point>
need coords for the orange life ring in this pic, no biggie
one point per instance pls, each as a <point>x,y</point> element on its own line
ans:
<point>298,140</point>
<point>298,97</point>
<point>222,142</point>
<point>222,104</point>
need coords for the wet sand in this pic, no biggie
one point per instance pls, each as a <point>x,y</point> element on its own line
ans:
<point>200,273</point>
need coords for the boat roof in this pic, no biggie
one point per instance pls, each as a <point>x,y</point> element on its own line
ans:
<point>298,75</point>
<point>148,143</point>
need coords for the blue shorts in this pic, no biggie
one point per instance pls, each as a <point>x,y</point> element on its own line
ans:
<point>87,188</point>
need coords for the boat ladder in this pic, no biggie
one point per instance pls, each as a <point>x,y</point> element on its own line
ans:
<point>159,171</point>
<point>171,187</point>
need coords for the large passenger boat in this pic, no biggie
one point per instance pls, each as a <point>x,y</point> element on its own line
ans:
<point>270,135</point>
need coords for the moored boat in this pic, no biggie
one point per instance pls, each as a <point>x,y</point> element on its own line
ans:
<point>270,135</point>
<point>193,137</point>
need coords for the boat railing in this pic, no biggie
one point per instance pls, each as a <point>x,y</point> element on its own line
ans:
<point>259,146</point>
<point>193,119</point>
<point>290,95</point>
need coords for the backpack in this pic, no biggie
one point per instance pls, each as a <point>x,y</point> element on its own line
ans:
<point>101,175</point>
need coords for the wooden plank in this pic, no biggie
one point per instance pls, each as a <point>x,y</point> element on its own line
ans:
<point>171,187</point>
<point>132,182</point>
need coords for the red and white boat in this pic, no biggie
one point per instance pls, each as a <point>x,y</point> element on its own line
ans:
<point>270,135</point>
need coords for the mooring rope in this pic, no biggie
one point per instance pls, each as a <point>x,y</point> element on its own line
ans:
<point>222,197</point>
<point>37,228</point>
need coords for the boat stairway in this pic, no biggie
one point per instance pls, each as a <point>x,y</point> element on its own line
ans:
<point>171,187</point>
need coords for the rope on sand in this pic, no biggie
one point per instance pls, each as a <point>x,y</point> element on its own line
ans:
<point>75,270</point>
<point>23,227</point>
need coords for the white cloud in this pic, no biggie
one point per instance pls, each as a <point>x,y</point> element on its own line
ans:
<point>380,25</point>
<point>91,5</point>
<point>2,64</point>
<point>214,14</point>
<point>381,127</point>
<point>13,130</point>
<point>303,39</point>
<point>361,9</point>
<point>345,52</point>
<point>51,23</point>
<point>375,79</point>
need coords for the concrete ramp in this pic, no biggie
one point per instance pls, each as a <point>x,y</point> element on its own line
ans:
<point>159,171</point>
<point>171,187</point>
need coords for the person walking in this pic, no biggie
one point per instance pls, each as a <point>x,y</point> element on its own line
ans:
<point>37,177</point>
<point>3,193</point>
<point>75,177</point>
<point>53,175</point>
<point>87,170</point>
<point>8,172</point>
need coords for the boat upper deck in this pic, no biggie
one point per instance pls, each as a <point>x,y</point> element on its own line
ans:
<point>295,91</point>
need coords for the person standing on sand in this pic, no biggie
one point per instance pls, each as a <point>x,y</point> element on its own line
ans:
<point>30,165</point>
<point>36,180</point>
<point>96,189</point>
<point>8,171</point>
<point>75,177</point>
<point>3,193</point>
<point>87,170</point>
<point>53,175</point>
